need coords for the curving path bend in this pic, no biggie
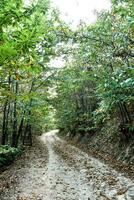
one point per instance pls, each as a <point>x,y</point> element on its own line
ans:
<point>55,170</point>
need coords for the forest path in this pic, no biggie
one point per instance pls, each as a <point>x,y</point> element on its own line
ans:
<point>55,170</point>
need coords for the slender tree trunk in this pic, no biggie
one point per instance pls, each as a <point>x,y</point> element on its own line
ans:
<point>28,128</point>
<point>127,113</point>
<point>7,122</point>
<point>29,124</point>
<point>30,134</point>
<point>3,141</point>
<point>6,111</point>
<point>14,135</point>
<point>20,131</point>
<point>25,134</point>
<point>124,113</point>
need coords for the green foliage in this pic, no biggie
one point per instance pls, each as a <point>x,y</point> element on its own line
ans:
<point>8,154</point>
<point>96,83</point>
<point>99,81</point>
<point>28,38</point>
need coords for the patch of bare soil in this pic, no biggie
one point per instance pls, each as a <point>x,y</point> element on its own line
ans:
<point>55,170</point>
<point>126,169</point>
<point>22,180</point>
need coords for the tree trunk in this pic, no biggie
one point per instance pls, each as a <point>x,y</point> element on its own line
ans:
<point>14,135</point>
<point>3,141</point>
<point>20,131</point>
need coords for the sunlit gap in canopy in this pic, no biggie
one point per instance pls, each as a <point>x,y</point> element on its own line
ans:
<point>74,11</point>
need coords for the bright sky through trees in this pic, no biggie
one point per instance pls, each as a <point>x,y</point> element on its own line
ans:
<point>76,10</point>
<point>73,11</point>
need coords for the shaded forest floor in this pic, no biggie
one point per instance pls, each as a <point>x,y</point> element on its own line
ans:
<point>56,170</point>
<point>124,168</point>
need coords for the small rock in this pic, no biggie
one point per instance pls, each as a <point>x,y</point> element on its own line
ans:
<point>130,192</point>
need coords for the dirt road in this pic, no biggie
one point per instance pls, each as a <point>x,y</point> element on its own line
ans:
<point>54,170</point>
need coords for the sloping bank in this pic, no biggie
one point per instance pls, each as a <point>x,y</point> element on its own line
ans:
<point>108,145</point>
<point>8,155</point>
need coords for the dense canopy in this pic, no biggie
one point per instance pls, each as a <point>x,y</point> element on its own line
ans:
<point>95,85</point>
